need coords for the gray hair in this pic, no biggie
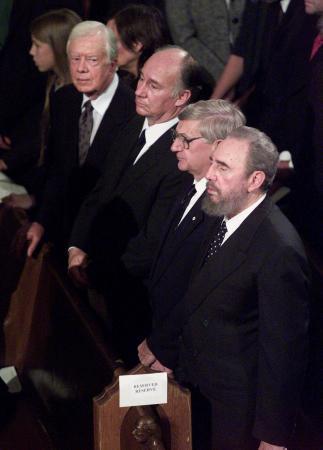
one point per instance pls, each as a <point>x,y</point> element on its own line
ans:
<point>217,118</point>
<point>93,28</point>
<point>263,154</point>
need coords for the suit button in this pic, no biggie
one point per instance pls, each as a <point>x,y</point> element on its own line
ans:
<point>235,20</point>
<point>205,323</point>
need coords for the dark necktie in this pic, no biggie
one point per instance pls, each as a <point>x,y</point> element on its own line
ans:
<point>139,145</point>
<point>135,151</point>
<point>85,130</point>
<point>215,244</point>
<point>183,205</point>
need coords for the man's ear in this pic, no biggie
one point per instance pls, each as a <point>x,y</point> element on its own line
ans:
<point>256,180</point>
<point>113,65</point>
<point>183,97</point>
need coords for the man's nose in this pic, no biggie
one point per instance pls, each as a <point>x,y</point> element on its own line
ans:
<point>82,66</point>
<point>141,89</point>
<point>176,145</point>
<point>210,174</point>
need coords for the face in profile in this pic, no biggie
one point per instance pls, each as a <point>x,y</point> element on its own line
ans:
<point>228,182</point>
<point>42,54</point>
<point>127,58</point>
<point>192,150</point>
<point>91,70</point>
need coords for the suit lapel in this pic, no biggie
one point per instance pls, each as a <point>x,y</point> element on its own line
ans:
<point>72,125</point>
<point>194,218</point>
<point>117,159</point>
<point>113,117</point>
<point>148,160</point>
<point>230,256</point>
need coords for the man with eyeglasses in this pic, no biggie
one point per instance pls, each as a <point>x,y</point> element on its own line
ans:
<point>200,127</point>
<point>119,224</point>
<point>239,335</point>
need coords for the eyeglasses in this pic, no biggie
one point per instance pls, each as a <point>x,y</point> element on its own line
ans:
<point>184,141</point>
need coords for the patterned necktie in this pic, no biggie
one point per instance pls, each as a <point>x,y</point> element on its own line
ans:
<point>85,130</point>
<point>215,244</point>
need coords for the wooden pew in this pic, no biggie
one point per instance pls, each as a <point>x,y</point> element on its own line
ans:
<point>53,337</point>
<point>114,426</point>
<point>11,263</point>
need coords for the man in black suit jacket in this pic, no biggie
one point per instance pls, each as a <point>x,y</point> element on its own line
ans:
<point>309,195</point>
<point>272,33</point>
<point>92,55</point>
<point>241,329</point>
<point>130,203</point>
<point>200,125</point>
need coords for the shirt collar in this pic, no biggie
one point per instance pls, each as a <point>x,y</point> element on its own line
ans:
<point>200,185</point>
<point>101,103</point>
<point>284,5</point>
<point>236,221</point>
<point>154,132</point>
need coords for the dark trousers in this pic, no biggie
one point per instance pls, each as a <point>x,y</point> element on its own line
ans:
<point>218,426</point>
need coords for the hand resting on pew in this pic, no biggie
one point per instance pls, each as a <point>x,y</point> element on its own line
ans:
<point>148,359</point>
<point>34,235</point>
<point>77,264</point>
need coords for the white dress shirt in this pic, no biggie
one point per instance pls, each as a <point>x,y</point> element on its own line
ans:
<point>153,133</point>
<point>101,104</point>
<point>234,223</point>
<point>200,187</point>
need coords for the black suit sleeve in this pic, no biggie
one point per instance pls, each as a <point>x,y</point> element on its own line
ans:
<point>139,254</point>
<point>283,323</point>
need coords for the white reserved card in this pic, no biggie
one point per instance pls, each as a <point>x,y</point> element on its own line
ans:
<point>146,389</point>
<point>10,377</point>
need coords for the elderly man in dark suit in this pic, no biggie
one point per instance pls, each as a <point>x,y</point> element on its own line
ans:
<point>241,329</point>
<point>200,125</point>
<point>123,215</point>
<point>85,119</point>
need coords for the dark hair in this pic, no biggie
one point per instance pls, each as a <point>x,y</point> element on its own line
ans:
<point>144,24</point>
<point>53,28</point>
<point>197,79</point>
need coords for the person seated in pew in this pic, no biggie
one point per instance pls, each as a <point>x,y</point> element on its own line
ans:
<point>49,34</point>
<point>120,222</point>
<point>140,30</point>
<point>86,118</point>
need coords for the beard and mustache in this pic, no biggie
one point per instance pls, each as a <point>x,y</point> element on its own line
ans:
<point>228,205</point>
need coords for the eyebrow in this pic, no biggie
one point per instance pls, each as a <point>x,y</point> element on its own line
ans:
<point>151,80</point>
<point>220,163</point>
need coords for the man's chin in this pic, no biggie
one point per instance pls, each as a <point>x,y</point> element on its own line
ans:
<point>141,110</point>
<point>210,207</point>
